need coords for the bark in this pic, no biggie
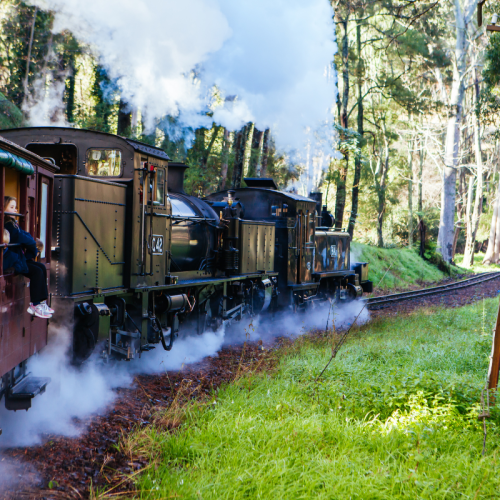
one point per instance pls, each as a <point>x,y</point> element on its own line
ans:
<point>380,185</point>
<point>421,156</point>
<point>258,167</point>
<point>265,153</point>
<point>492,252</point>
<point>28,59</point>
<point>478,202</point>
<point>256,152</point>
<point>206,151</point>
<point>447,218</point>
<point>239,150</point>
<point>124,119</point>
<point>357,159</point>
<point>410,194</point>
<point>70,90</point>
<point>248,148</point>
<point>224,157</point>
<point>341,184</point>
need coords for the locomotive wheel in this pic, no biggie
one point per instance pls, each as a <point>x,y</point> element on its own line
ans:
<point>84,343</point>
<point>85,332</point>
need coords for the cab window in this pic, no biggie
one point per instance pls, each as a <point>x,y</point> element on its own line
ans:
<point>104,163</point>
<point>160,187</point>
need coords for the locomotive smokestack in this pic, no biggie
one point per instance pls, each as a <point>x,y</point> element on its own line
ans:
<point>175,182</point>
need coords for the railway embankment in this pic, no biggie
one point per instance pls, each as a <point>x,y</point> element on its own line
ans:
<point>401,269</point>
<point>394,416</point>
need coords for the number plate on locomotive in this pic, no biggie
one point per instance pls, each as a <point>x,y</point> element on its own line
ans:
<point>156,244</point>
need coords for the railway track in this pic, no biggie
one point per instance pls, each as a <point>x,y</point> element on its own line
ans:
<point>387,300</point>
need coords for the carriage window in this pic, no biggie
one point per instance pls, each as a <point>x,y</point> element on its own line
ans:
<point>104,162</point>
<point>160,186</point>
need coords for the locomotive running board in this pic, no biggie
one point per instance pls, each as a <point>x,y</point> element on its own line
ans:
<point>20,396</point>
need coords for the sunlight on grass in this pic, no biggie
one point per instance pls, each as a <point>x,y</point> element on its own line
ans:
<point>478,266</point>
<point>394,416</point>
<point>398,267</point>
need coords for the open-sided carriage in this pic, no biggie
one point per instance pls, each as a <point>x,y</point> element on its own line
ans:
<point>29,178</point>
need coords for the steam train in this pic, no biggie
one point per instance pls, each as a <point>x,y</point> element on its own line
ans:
<point>134,260</point>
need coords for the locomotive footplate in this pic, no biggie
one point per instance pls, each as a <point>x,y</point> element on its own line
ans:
<point>20,396</point>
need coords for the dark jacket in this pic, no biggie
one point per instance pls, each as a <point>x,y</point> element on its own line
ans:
<point>14,258</point>
<point>27,242</point>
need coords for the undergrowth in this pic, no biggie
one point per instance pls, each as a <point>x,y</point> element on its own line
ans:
<point>396,268</point>
<point>394,416</point>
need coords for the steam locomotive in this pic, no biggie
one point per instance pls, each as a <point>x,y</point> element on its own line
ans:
<point>134,260</point>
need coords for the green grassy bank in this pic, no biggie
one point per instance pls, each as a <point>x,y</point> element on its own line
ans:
<point>394,416</point>
<point>399,267</point>
<point>478,266</point>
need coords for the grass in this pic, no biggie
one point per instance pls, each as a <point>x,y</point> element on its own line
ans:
<point>478,266</point>
<point>394,416</point>
<point>403,267</point>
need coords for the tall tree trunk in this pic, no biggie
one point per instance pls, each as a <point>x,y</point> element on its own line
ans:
<point>357,158</point>
<point>410,193</point>
<point>384,169</point>
<point>256,152</point>
<point>248,148</point>
<point>70,90</point>
<point>478,202</point>
<point>341,183</point>
<point>224,158</point>
<point>124,119</point>
<point>258,168</point>
<point>28,59</point>
<point>239,150</point>
<point>421,157</point>
<point>447,219</point>
<point>492,255</point>
<point>265,153</point>
<point>207,150</point>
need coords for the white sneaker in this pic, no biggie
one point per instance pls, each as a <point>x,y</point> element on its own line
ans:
<point>47,308</point>
<point>38,311</point>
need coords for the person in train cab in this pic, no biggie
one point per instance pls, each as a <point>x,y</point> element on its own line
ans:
<point>12,261</point>
<point>37,273</point>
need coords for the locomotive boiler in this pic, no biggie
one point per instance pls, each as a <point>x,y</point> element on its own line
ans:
<point>135,259</point>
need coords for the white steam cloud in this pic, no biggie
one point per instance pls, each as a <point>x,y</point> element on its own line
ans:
<point>81,392</point>
<point>44,105</point>
<point>166,55</point>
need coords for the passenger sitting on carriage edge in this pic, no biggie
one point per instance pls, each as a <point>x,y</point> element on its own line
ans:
<point>12,261</point>
<point>36,271</point>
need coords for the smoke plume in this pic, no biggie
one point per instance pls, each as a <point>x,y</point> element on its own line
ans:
<point>77,393</point>
<point>165,56</point>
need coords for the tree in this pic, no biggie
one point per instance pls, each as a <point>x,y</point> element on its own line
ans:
<point>463,16</point>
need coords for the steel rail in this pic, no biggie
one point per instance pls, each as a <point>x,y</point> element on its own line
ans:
<point>425,292</point>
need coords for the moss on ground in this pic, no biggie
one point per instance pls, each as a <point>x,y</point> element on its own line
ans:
<point>397,268</point>
<point>394,416</point>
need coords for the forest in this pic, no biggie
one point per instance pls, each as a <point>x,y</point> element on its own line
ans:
<point>415,120</point>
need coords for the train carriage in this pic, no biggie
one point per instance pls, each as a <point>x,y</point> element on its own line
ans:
<point>29,179</point>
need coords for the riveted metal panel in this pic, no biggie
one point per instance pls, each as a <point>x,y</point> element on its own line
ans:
<point>89,233</point>
<point>256,246</point>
